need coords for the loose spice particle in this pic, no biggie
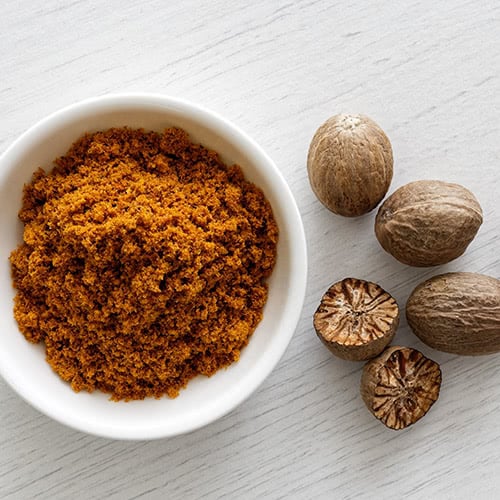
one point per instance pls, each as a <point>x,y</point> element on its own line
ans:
<point>144,262</point>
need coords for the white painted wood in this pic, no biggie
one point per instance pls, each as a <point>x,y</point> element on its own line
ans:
<point>429,73</point>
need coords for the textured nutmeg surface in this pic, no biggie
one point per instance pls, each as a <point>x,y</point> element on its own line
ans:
<point>457,313</point>
<point>428,223</point>
<point>356,319</point>
<point>400,386</point>
<point>350,164</point>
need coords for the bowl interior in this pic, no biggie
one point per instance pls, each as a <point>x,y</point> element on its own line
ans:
<point>205,399</point>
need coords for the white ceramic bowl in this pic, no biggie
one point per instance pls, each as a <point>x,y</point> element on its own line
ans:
<point>205,399</point>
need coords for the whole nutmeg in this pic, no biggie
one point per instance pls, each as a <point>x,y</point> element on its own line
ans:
<point>356,319</point>
<point>400,386</point>
<point>457,313</point>
<point>428,223</point>
<point>350,164</point>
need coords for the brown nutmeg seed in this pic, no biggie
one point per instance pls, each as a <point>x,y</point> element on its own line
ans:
<point>457,313</point>
<point>428,223</point>
<point>350,164</point>
<point>400,386</point>
<point>356,319</point>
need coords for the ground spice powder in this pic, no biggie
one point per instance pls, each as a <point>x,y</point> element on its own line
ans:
<point>144,262</point>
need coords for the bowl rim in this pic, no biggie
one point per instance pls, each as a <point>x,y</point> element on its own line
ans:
<point>296,234</point>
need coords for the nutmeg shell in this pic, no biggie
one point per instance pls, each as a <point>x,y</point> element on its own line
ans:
<point>428,223</point>
<point>350,164</point>
<point>457,313</point>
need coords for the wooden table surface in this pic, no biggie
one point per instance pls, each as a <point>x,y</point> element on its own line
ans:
<point>429,73</point>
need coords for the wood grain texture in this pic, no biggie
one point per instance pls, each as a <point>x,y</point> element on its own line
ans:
<point>429,73</point>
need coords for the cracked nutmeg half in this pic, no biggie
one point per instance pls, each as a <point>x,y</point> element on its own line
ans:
<point>356,319</point>
<point>400,386</point>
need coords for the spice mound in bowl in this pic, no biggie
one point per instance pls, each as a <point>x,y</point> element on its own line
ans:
<point>143,264</point>
<point>147,256</point>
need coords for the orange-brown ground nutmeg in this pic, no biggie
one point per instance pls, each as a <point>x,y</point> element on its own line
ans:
<point>144,262</point>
